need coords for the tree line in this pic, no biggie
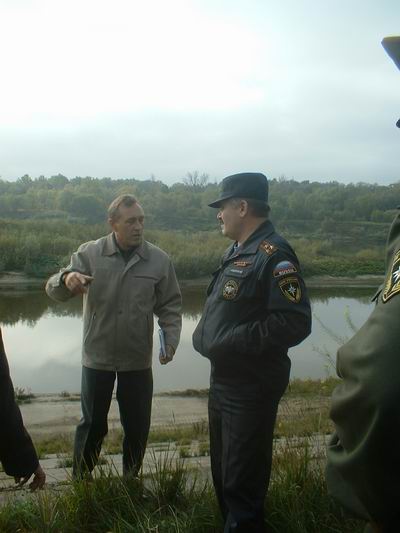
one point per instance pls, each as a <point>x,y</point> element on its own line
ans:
<point>336,229</point>
<point>183,205</point>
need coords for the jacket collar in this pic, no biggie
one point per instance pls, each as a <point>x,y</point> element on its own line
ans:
<point>110,247</point>
<point>251,245</point>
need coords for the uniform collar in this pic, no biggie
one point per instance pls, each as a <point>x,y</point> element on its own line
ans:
<point>110,247</point>
<point>252,243</point>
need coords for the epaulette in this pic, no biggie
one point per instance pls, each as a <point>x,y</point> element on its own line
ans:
<point>268,247</point>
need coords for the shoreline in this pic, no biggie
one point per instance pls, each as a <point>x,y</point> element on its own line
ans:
<point>48,415</point>
<point>18,281</point>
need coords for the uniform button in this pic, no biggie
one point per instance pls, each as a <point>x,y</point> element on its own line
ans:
<point>120,312</point>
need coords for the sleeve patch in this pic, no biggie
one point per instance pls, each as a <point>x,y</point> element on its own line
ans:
<point>268,247</point>
<point>392,282</point>
<point>284,268</point>
<point>290,289</point>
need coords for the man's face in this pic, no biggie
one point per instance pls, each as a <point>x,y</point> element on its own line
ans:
<point>128,227</point>
<point>230,219</point>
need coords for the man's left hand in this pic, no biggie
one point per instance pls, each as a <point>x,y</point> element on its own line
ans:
<point>39,479</point>
<point>169,355</point>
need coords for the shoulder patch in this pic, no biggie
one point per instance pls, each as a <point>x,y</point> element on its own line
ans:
<point>283,269</point>
<point>268,247</point>
<point>392,282</point>
<point>291,289</point>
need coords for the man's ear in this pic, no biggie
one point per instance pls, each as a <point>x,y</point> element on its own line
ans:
<point>243,208</point>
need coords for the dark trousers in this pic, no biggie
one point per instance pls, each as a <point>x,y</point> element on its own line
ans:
<point>242,419</point>
<point>134,396</point>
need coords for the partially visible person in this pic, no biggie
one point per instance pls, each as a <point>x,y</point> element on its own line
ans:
<point>363,468</point>
<point>257,308</point>
<point>124,280</point>
<point>17,453</point>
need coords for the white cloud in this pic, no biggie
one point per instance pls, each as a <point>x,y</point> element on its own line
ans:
<point>131,87</point>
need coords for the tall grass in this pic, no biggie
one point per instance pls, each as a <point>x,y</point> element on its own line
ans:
<point>171,499</point>
<point>298,501</point>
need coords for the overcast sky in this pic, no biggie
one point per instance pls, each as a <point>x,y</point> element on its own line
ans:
<point>134,88</point>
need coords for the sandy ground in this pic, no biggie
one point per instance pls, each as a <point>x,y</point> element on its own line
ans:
<point>52,414</point>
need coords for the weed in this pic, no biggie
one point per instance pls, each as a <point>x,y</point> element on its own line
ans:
<point>23,395</point>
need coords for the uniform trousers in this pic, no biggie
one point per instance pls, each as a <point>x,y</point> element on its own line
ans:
<point>242,418</point>
<point>134,395</point>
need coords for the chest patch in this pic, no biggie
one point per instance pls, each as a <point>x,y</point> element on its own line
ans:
<point>268,247</point>
<point>284,268</point>
<point>392,282</point>
<point>242,263</point>
<point>291,289</point>
<point>230,289</point>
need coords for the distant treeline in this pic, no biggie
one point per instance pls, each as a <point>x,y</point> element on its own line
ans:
<point>336,229</point>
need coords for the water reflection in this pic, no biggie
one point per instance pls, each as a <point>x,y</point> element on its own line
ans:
<point>43,339</point>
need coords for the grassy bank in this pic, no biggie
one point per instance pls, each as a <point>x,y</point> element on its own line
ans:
<point>174,499</point>
<point>39,248</point>
<point>303,412</point>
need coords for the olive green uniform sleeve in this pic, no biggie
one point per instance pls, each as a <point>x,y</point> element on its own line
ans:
<point>363,468</point>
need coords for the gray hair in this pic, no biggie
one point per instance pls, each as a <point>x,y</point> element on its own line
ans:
<point>257,208</point>
<point>126,200</point>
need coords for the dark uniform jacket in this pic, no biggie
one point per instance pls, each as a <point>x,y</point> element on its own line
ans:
<point>257,307</point>
<point>363,471</point>
<point>17,454</point>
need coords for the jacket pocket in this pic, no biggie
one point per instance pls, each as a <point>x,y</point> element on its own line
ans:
<point>140,334</point>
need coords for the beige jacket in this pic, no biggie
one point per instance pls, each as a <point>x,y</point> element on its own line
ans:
<point>119,305</point>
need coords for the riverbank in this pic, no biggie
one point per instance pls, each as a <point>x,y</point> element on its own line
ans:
<point>175,491</point>
<point>18,281</point>
<point>176,415</point>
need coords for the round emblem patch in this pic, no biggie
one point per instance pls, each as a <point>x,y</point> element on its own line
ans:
<point>230,289</point>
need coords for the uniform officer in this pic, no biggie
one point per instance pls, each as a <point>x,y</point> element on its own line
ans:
<point>363,469</point>
<point>256,308</point>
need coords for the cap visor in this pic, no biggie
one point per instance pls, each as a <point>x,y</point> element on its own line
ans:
<point>217,203</point>
<point>221,199</point>
<point>392,47</point>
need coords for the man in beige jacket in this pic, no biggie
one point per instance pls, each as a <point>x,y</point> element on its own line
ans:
<point>124,281</point>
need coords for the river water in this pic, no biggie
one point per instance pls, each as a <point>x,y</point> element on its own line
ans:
<point>43,340</point>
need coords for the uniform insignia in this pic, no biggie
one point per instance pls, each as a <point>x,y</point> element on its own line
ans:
<point>268,247</point>
<point>284,268</point>
<point>230,289</point>
<point>291,289</point>
<point>392,283</point>
<point>242,263</point>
